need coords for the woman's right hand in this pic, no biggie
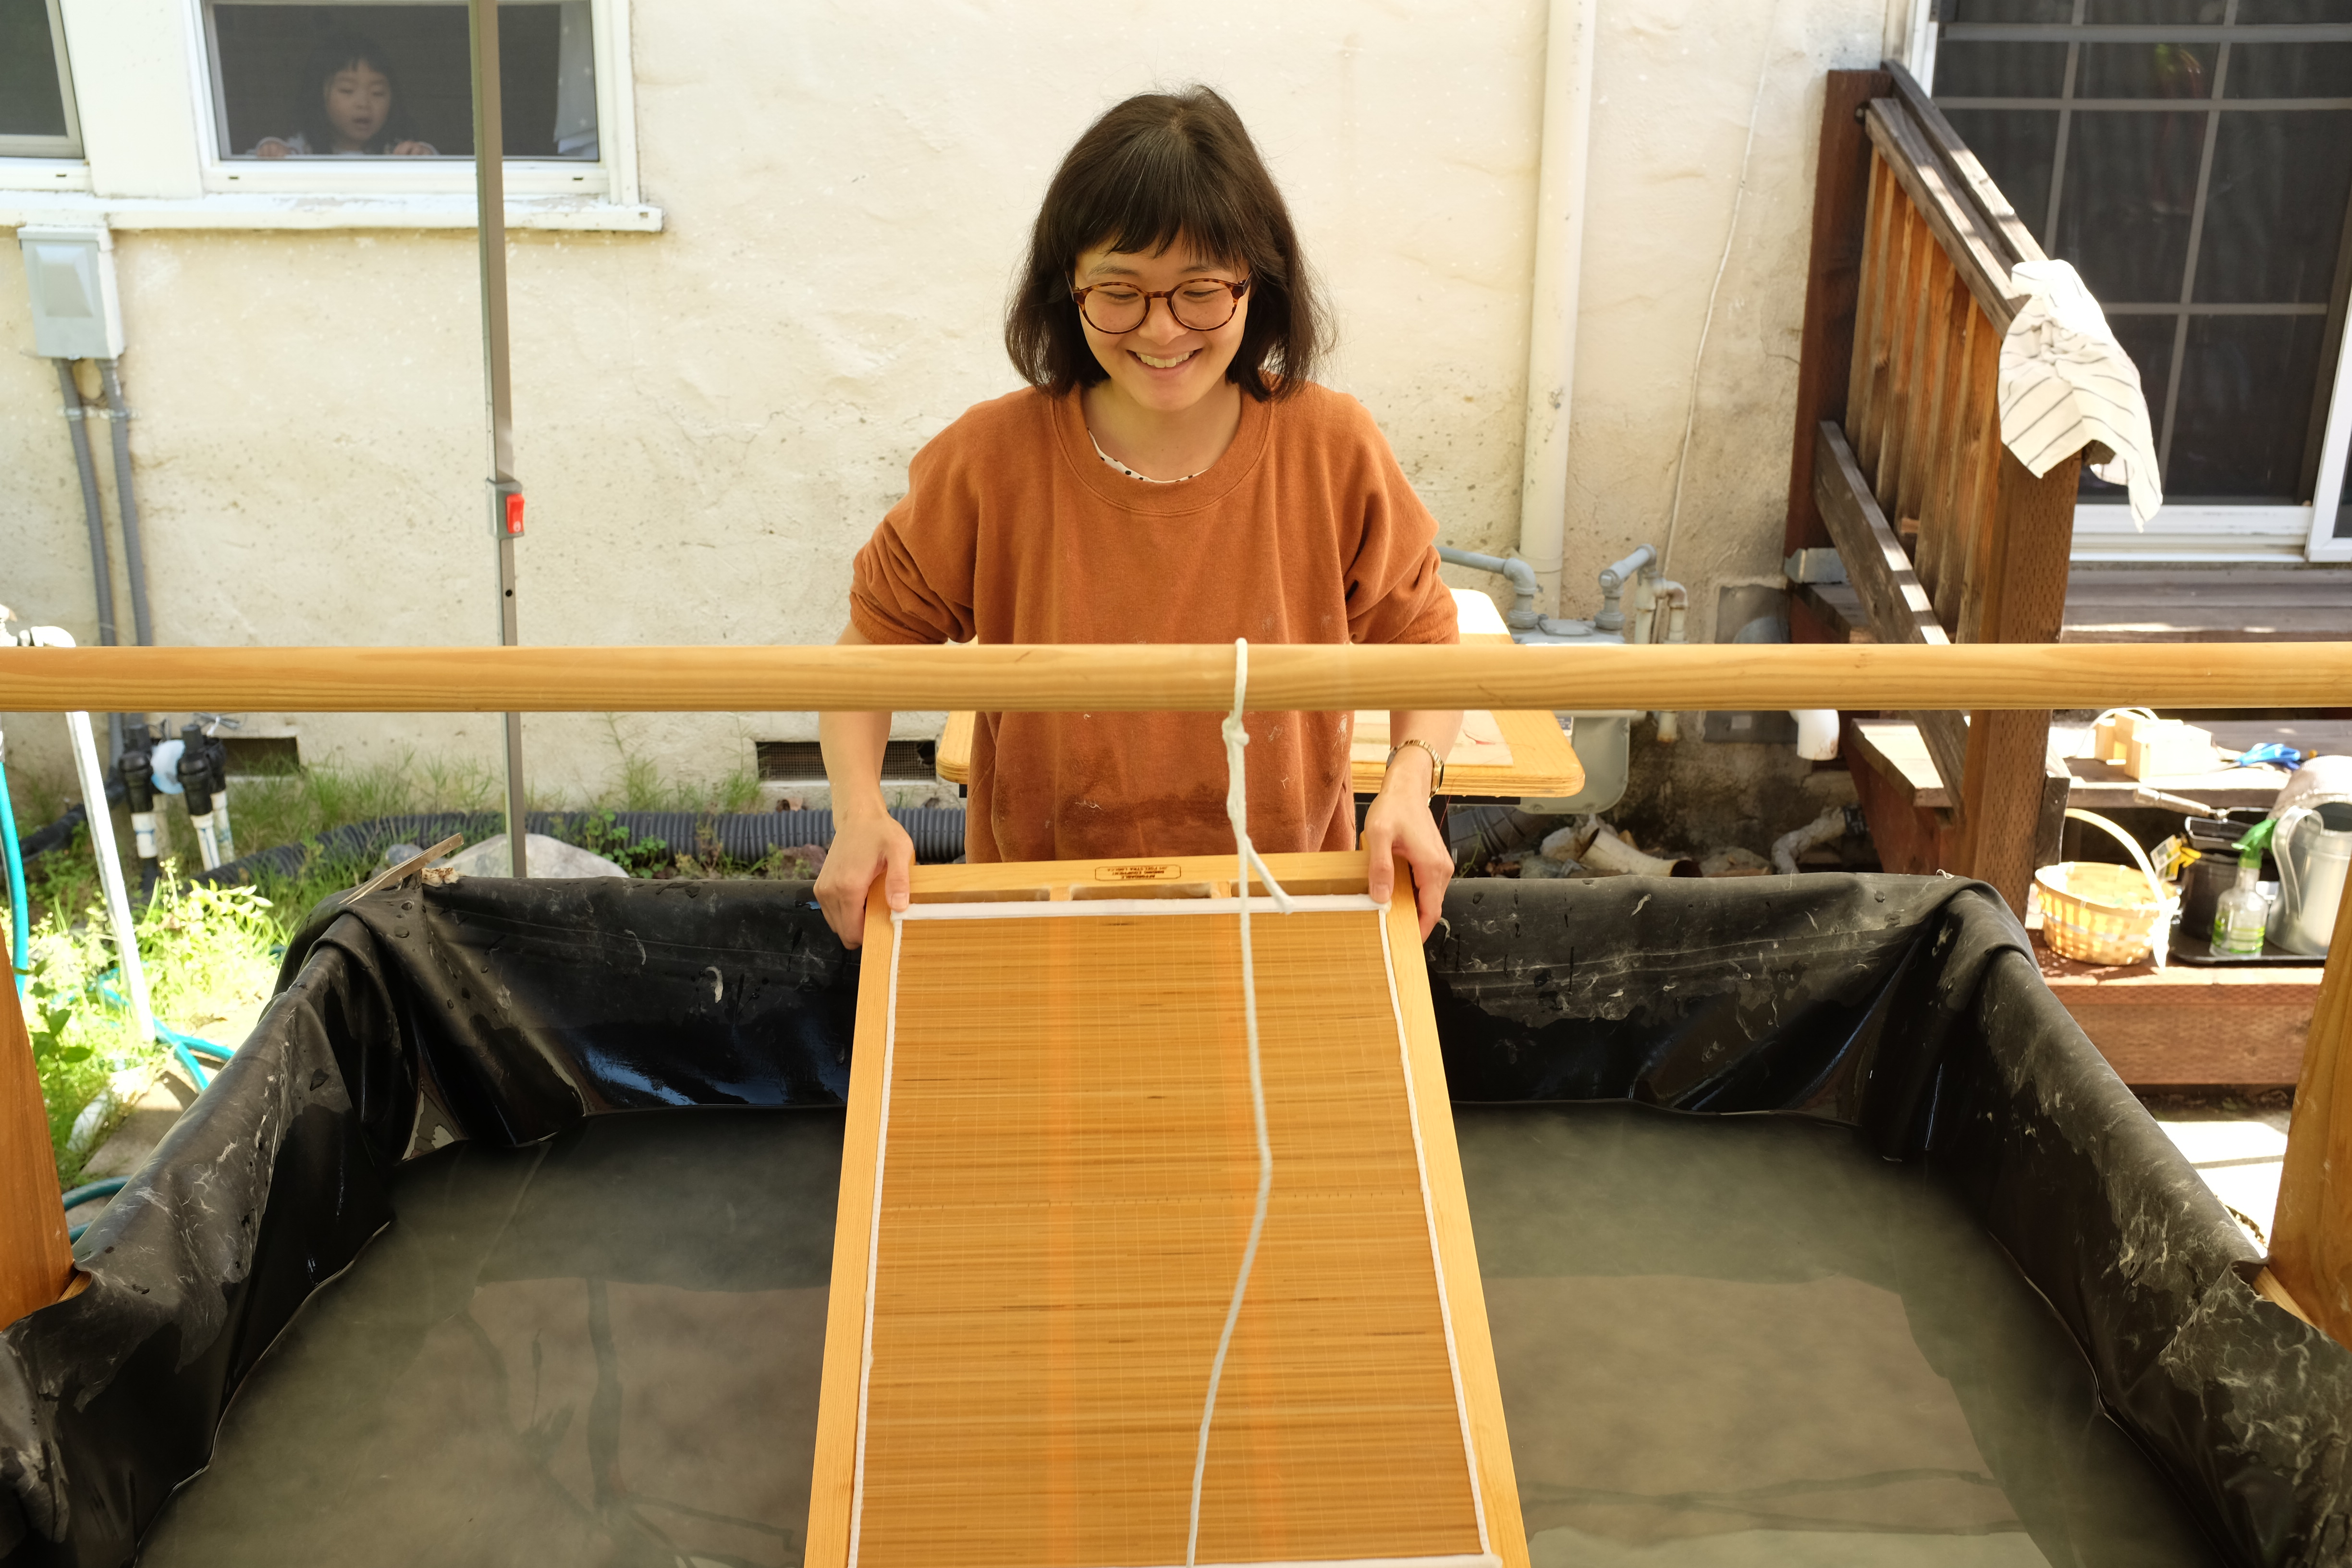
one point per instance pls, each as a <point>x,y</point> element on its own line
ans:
<point>271,147</point>
<point>865,846</point>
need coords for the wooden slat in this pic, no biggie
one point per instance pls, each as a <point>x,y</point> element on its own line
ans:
<point>2311,1248</point>
<point>1968,177</point>
<point>1924,452</point>
<point>1875,566</point>
<point>1842,182</point>
<point>1867,382</point>
<point>1882,574</point>
<point>1940,483</point>
<point>1909,320</point>
<point>1957,226</point>
<point>1974,461</point>
<point>1165,677</point>
<point>36,1260</point>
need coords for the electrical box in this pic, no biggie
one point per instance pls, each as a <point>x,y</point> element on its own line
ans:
<point>77,314</point>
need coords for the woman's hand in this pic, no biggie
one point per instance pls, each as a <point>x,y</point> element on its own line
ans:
<point>413,150</point>
<point>865,846</point>
<point>1399,826</point>
<point>272,147</point>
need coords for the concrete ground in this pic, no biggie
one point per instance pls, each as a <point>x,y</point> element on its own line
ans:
<point>2238,1146</point>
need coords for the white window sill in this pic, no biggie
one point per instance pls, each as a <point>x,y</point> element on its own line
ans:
<point>407,210</point>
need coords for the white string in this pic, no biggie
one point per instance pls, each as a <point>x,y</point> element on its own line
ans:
<point>1245,857</point>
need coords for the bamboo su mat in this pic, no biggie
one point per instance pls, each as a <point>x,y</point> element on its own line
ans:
<point>1050,1176</point>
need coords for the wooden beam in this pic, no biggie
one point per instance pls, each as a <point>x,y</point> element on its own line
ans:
<point>2311,1240</point>
<point>1880,573</point>
<point>1832,286</point>
<point>1166,678</point>
<point>2000,219</point>
<point>35,1259</point>
<point>1957,228</point>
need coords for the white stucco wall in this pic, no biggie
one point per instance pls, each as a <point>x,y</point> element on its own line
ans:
<point>710,419</point>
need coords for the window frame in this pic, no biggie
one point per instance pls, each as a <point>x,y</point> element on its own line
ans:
<point>2217,531</point>
<point>150,126</point>
<point>52,149</point>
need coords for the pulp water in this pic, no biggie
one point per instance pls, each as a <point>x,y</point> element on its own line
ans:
<point>1745,1341</point>
<point>1723,1341</point>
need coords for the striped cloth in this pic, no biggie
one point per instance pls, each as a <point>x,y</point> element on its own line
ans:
<point>2065,383</point>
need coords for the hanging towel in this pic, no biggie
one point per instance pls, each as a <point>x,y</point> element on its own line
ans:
<point>2066,382</point>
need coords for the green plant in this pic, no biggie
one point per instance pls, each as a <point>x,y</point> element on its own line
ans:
<point>602,834</point>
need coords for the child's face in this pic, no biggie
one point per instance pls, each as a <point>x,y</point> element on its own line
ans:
<point>358,99</point>
<point>1162,365</point>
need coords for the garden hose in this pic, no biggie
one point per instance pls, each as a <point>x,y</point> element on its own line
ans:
<point>86,1192</point>
<point>184,1047</point>
<point>20,920</point>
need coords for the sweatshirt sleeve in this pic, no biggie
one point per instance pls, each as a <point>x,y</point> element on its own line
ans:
<point>1393,592</point>
<point>913,581</point>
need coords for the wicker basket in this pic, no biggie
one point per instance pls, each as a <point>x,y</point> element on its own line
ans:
<point>2100,913</point>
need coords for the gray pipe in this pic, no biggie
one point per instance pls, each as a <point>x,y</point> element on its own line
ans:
<point>99,570</point>
<point>1520,575</point>
<point>126,500</point>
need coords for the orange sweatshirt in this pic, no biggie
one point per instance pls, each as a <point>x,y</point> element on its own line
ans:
<point>1014,531</point>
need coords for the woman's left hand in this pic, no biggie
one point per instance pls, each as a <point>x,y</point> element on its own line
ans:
<point>1399,826</point>
<point>414,150</point>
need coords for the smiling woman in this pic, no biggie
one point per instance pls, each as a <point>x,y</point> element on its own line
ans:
<point>1171,475</point>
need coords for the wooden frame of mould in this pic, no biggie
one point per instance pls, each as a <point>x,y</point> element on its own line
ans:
<point>833,1485</point>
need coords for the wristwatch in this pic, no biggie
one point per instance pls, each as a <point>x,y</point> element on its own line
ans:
<point>1437,763</point>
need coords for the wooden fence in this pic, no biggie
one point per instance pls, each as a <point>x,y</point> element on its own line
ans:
<point>1898,459</point>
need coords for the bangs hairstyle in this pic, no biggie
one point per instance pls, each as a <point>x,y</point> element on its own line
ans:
<point>336,53</point>
<point>1159,167</point>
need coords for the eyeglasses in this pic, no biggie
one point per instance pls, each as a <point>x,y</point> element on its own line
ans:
<point>1198,304</point>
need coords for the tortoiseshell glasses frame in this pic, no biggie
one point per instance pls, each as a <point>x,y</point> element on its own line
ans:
<point>1120,308</point>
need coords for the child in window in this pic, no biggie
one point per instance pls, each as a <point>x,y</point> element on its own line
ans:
<point>348,104</point>
<point>1171,474</point>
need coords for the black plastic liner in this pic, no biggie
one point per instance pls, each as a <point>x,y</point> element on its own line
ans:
<point>743,836</point>
<point>1905,1008</point>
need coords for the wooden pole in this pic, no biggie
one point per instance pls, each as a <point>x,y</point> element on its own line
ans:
<point>35,1259</point>
<point>1186,678</point>
<point>2311,1239</point>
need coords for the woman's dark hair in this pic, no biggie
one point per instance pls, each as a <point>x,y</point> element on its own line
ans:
<point>1158,166</point>
<point>335,53</point>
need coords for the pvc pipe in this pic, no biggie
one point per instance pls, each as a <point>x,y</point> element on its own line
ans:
<point>102,572</point>
<point>126,502</point>
<point>1560,185</point>
<point>1817,732</point>
<point>1178,678</point>
<point>1523,615</point>
<point>101,837</point>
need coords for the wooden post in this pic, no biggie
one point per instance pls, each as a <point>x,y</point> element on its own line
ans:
<point>1841,203</point>
<point>2024,561</point>
<point>36,1260</point>
<point>2311,1239</point>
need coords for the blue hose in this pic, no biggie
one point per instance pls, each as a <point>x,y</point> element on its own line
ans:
<point>185,1048</point>
<point>20,919</point>
<point>84,1194</point>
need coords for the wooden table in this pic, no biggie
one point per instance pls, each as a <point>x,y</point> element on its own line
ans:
<point>1542,763</point>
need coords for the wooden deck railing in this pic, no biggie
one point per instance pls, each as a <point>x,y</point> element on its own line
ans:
<point>1898,459</point>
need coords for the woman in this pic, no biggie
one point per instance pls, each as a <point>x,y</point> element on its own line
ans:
<point>1171,474</point>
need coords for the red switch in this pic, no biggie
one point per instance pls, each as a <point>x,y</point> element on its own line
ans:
<point>514,513</point>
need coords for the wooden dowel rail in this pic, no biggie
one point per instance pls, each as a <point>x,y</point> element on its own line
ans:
<point>1192,678</point>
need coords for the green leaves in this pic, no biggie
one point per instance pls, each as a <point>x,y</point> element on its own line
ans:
<point>51,1013</point>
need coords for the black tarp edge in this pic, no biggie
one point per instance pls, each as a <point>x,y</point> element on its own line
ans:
<point>1907,1008</point>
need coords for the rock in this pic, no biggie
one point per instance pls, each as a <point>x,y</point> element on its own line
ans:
<point>1733,861</point>
<point>542,857</point>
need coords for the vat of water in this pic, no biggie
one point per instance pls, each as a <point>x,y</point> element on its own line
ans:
<point>1811,1231</point>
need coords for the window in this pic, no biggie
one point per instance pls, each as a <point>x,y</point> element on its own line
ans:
<point>37,105</point>
<point>2193,160</point>
<point>314,82</point>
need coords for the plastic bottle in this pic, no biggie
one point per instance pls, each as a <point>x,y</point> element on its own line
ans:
<point>2242,912</point>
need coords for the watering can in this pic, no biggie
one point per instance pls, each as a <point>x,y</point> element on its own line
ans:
<point>2312,847</point>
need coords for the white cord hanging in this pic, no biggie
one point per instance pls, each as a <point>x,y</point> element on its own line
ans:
<point>1245,858</point>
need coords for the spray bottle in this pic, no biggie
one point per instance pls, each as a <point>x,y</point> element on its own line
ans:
<point>2241,913</point>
